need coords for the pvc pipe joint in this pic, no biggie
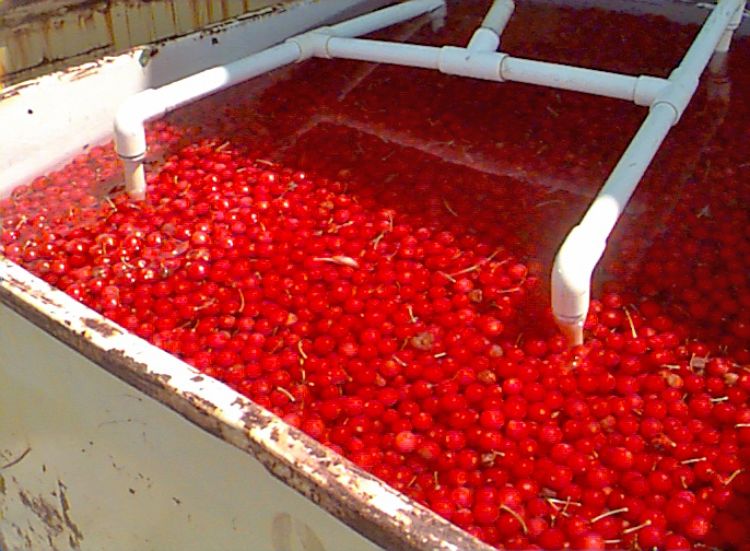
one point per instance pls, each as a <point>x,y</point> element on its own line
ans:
<point>678,93</point>
<point>313,43</point>
<point>647,89</point>
<point>464,62</point>
<point>571,280</point>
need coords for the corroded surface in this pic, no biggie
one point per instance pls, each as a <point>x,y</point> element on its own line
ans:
<point>358,499</point>
<point>44,35</point>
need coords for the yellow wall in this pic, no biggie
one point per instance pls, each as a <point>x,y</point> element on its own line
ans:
<point>38,36</point>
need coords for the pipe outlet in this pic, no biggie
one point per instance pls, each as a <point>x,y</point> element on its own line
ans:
<point>130,135</point>
<point>571,280</point>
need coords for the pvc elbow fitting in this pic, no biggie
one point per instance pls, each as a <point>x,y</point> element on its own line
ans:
<point>571,281</point>
<point>313,43</point>
<point>130,135</point>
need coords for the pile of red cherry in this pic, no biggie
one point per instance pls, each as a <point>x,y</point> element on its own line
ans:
<point>388,304</point>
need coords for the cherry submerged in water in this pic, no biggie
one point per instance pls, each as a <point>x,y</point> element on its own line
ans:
<point>365,250</point>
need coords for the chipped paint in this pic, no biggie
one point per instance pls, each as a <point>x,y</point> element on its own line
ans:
<point>46,35</point>
<point>357,498</point>
<point>57,521</point>
<point>351,495</point>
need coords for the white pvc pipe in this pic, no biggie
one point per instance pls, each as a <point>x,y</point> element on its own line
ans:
<point>130,136</point>
<point>584,246</point>
<point>412,55</point>
<point>380,19</point>
<point>487,37</point>
<point>496,66</point>
<point>726,38</point>
<point>642,89</point>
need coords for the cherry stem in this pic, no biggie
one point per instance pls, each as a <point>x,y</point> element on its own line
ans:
<point>301,351</point>
<point>440,355</point>
<point>472,268</point>
<point>286,393</point>
<point>448,277</point>
<point>609,514</point>
<point>21,222</point>
<point>411,313</point>
<point>633,332</point>
<point>732,476</point>
<point>449,208</point>
<point>516,516</point>
<point>742,426</point>
<point>399,361</point>
<point>636,528</point>
<point>338,259</point>
<point>691,461</point>
<point>566,502</point>
<point>242,300</point>
<point>720,399</point>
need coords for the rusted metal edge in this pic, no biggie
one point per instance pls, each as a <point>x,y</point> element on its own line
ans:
<point>72,64</point>
<point>360,500</point>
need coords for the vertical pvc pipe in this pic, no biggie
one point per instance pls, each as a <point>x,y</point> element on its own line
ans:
<point>130,139</point>
<point>584,246</point>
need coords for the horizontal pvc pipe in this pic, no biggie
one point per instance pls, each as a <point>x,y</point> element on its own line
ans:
<point>565,77</point>
<point>130,136</point>
<point>412,55</point>
<point>584,246</point>
<point>380,19</point>
<point>497,66</point>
